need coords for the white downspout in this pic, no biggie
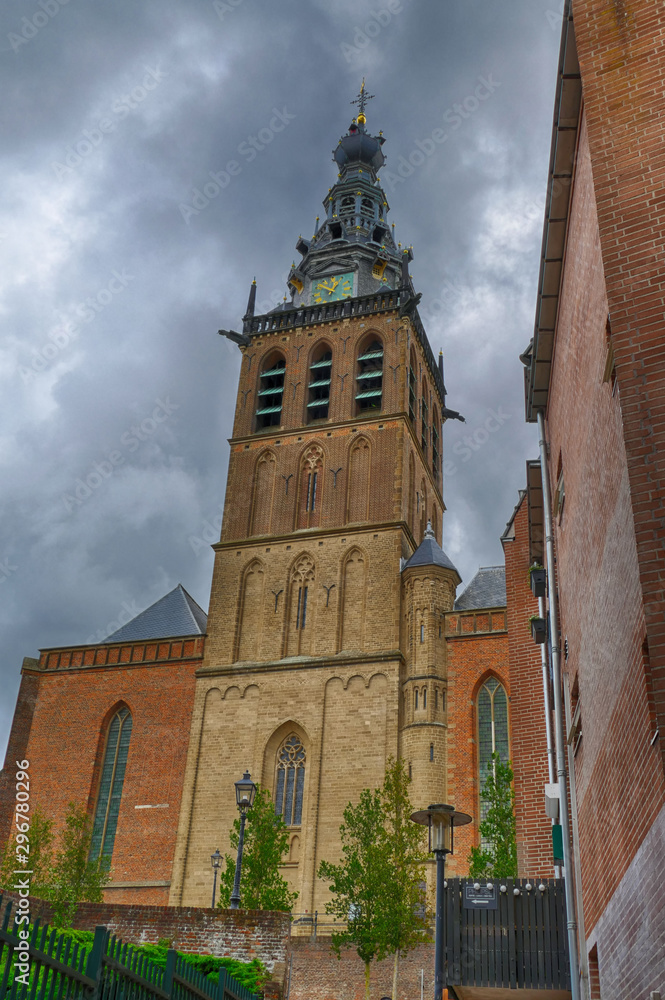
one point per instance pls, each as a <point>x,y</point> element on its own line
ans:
<point>558,719</point>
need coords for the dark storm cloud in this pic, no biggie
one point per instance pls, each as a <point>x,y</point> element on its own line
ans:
<point>114,116</point>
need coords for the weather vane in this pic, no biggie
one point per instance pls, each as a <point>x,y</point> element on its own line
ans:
<point>361,100</point>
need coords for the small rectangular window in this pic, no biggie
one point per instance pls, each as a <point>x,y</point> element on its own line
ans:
<point>304,607</point>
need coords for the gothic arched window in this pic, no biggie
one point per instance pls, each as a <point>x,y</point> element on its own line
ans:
<point>412,387</point>
<point>319,383</point>
<point>424,413</point>
<point>492,709</point>
<point>290,780</point>
<point>110,785</point>
<point>270,392</point>
<point>369,378</point>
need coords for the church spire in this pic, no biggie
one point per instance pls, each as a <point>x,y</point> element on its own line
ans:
<point>353,251</point>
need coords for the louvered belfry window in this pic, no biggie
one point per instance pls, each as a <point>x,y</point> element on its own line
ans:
<point>319,386</point>
<point>290,781</point>
<point>369,379</point>
<point>271,393</point>
<point>110,786</point>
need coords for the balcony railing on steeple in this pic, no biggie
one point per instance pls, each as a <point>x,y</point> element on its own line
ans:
<point>363,305</point>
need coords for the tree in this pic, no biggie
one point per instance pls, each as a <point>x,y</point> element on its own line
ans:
<point>74,877</point>
<point>406,913</point>
<point>378,886</point>
<point>497,858</point>
<point>266,843</point>
<point>38,838</point>
<point>359,882</point>
<point>65,878</point>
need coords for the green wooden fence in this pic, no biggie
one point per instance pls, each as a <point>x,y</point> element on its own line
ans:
<point>60,969</point>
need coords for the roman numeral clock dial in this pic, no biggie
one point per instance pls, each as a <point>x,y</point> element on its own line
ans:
<point>336,286</point>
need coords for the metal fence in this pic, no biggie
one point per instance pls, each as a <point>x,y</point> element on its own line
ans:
<point>522,944</point>
<point>49,965</point>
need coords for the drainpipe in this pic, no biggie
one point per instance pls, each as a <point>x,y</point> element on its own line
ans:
<point>551,764</point>
<point>584,965</point>
<point>558,719</point>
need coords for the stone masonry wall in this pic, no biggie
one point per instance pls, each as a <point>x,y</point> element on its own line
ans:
<point>240,934</point>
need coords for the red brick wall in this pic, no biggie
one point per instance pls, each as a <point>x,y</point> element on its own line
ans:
<point>619,774</point>
<point>527,713</point>
<point>625,111</point>
<point>240,934</point>
<point>16,749</point>
<point>472,658</point>
<point>65,746</point>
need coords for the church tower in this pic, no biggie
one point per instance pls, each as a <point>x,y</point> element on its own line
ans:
<point>326,652</point>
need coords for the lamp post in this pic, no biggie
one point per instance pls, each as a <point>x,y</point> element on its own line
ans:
<point>245,793</point>
<point>215,861</point>
<point>440,820</point>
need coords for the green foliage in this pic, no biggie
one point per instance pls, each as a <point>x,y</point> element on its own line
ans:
<point>499,858</point>
<point>377,886</point>
<point>74,877</point>
<point>407,922</point>
<point>40,841</point>
<point>65,877</point>
<point>251,974</point>
<point>266,843</point>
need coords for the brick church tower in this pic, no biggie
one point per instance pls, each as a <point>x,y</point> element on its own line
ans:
<point>326,649</point>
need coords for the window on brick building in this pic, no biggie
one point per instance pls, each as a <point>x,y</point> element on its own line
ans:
<point>436,460</point>
<point>424,415</point>
<point>110,785</point>
<point>320,373</point>
<point>270,392</point>
<point>412,387</point>
<point>290,780</point>
<point>369,377</point>
<point>492,718</point>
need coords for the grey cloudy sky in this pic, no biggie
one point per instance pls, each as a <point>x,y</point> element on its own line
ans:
<point>112,289</point>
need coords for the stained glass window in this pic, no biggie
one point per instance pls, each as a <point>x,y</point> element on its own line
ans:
<point>110,786</point>
<point>290,780</point>
<point>492,730</point>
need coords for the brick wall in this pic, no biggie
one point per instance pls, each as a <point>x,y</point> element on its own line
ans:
<point>17,747</point>
<point>472,658</point>
<point>79,690</point>
<point>528,739</point>
<point>625,112</point>
<point>619,772</point>
<point>240,934</point>
<point>316,973</point>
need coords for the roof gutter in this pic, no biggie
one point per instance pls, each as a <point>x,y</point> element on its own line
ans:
<point>537,359</point>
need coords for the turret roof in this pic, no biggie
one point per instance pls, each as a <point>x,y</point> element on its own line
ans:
<point>430,553</point>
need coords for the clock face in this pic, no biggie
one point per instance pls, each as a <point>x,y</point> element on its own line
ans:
<point>335,286</point>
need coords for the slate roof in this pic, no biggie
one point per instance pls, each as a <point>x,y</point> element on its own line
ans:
<point>486,590</point>
<point>430,553</point>
<point>175,614</point>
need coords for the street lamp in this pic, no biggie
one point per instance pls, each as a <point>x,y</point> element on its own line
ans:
<point>215,861</point>
<point>245,793</point>
<point>440,820</point>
